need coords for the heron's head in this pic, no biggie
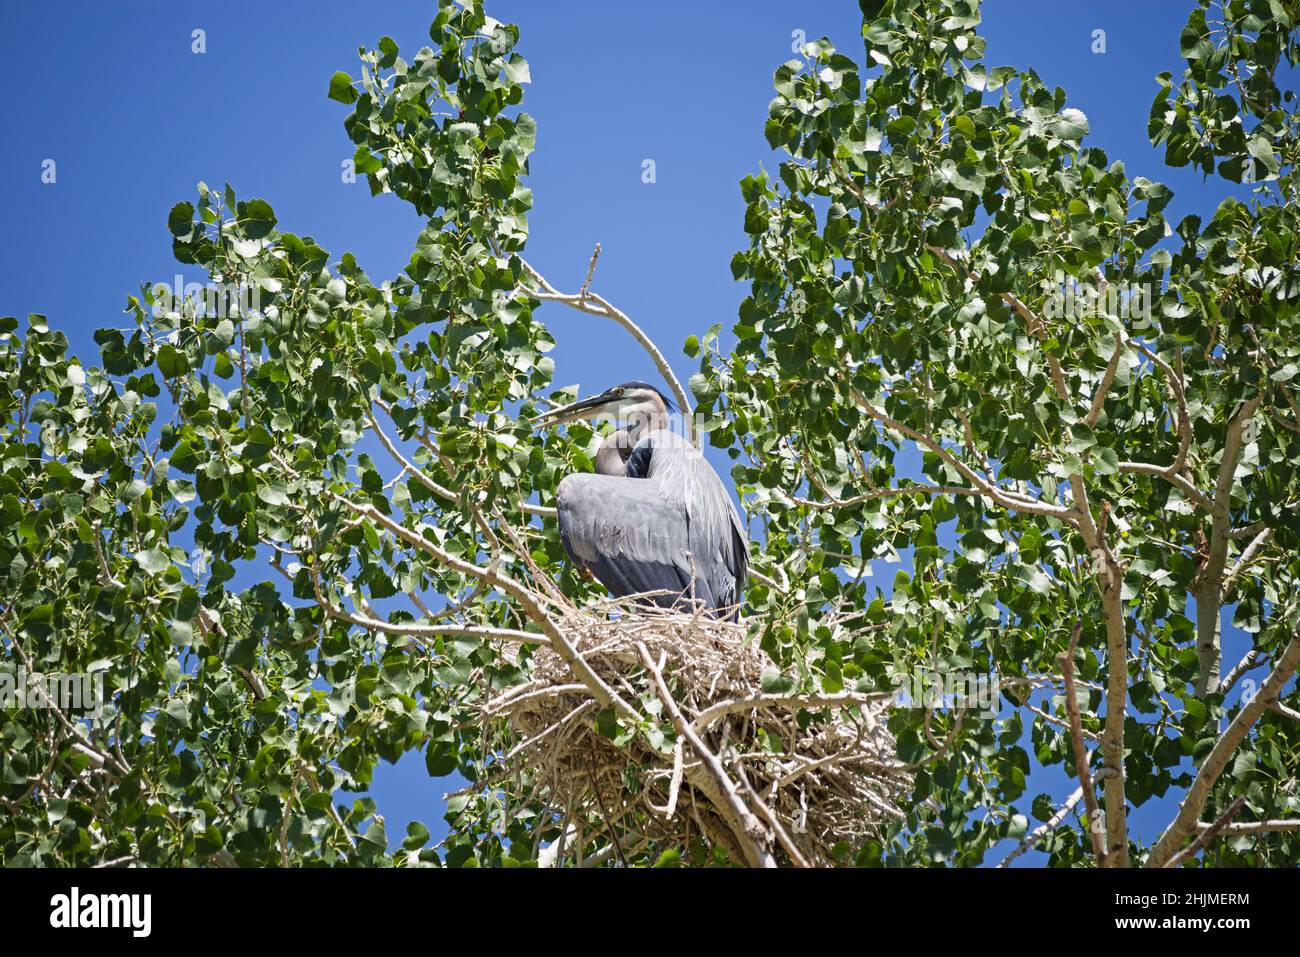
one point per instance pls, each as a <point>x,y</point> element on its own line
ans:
<point>636,402</point>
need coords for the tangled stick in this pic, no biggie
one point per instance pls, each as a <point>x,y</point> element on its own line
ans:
<point>716,762</point>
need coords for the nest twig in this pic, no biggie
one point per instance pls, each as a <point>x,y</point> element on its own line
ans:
<point>810,776</point>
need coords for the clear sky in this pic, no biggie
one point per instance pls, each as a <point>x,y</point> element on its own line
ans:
<point>134,119</point>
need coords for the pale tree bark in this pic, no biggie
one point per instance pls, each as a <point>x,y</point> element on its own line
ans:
<point>1187,821</point>
<point>1207,590</point>
<point>1107,570</point>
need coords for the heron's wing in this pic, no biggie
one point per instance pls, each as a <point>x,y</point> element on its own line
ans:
<point>632,539</point>
<point>718,540</point>
<point>717,543</point>
<point>737,556</point>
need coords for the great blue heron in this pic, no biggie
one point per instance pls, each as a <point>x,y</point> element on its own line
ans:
<point>655,517</point>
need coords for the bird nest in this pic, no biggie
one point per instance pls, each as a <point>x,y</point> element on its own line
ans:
<point>687,752</point>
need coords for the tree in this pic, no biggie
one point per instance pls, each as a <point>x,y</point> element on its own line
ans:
<point>934,279</point>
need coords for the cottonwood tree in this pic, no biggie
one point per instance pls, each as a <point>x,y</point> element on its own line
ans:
<point>1083,487</point>
<point>1127,472</point>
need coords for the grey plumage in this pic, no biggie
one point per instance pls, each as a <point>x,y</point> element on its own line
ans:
<point>662,522</point>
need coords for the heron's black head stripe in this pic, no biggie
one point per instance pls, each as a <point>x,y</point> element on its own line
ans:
<point>638,384</point>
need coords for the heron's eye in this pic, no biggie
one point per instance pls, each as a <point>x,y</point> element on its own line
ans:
<point>618,391</point>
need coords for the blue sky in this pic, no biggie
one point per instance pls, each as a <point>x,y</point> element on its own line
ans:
<point>133,119</point>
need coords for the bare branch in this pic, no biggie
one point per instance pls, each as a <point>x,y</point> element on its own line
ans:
<point>773,822</point>
<point>1005,498</point>
<point>410,467</point>
<point>1047,827</point>
<point>1249,661</point>
<point>833,502</point>
<point>1283,710</point>
<point>595,305</point>
<point>601,691</point>
<point>1031,839</point>
<point>80,740</point>
<point>1208,833</point>
<point>810,702</point>
<point>765,580</point>
<point>1107,380</point>
<point>1189,811</point>
<point>748,830</point>
<point>1178,481</point>
<point>591,271</point>
<point>1081,754</point>
<point>1035,325</point>
<point>1182,418</point>
<point>1207,589</point>
<point>1239,828</point>
<point>1248,555</point>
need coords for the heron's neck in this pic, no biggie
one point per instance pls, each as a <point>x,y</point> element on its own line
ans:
<point>612,456</point>
<point>644,418</point>
<point>641,419</point>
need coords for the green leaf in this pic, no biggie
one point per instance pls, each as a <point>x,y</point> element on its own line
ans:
<point>257,218</point>
<point>1286,373</point>
<point>1072,125</point>
<point>1037,581</point>
<point>417,835</point>
<point>341,88</point>
<point>773,681</point>
<point>517,69</point>
<point>181,220</point>
<point>171,361</point>
<point>1106,462</point>
<point>274,494</point>
<point>153,560</point>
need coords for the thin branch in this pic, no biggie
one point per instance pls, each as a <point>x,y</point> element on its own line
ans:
<point>782,836</point>
<point>1182,417</point>
<point>833,502</point>
<point>748,830</point>
<point>1178,481</point>
<point>1248,555</point>
<point>560,644</point>
<point>309,775</point>
<point>1207,589</point>
<point>440,490</point>
<point>1189,812</point>
<point>1249,661</point>
<point>1064,723</point>
<point>1283,710</point>
<point>1005,498</point>
<point>591,271</point>
<point>1035,325</point>
<point>410,467</point>
<point>1081,754</point>
<point>1239,828</point>
<point>1208,834</point>
<point>765,580</point>
<point>1107,380</point>
<point>595,305</point>
<point>810,702</point>
<point>1030,840</point>
<point>80,740</point>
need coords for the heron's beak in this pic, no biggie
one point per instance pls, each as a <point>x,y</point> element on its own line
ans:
<point>582,409</point>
